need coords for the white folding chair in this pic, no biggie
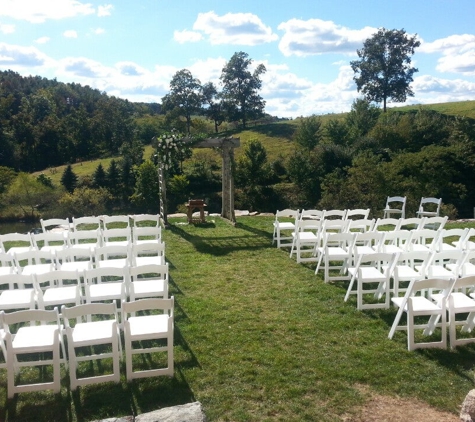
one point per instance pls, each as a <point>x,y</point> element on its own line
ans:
<point>284,225</point>
<point>359,213</point>
<point>118,256</point>
<point>147,281</point>
<point>461,302</point>
<point>337,247</point>
<point>455,236</point>
<point>425,240</point>
<point>386,224</point>
<point>434,209</point>
<point>34,262</point>
<point>305,239</point>
<point>106,284</point>
<point>92,324</point>
<point>146,328</point>
<point>335,214</point>
<point>33,332</point>
<point>367,243</point>
<point>435,223</point>
<point>74,259</point>
<point>17,291</point>
<point>372,274</point>
<point>115,221</point>
<point>391,209</point>
<point>114,237</point>
<point>12,243</point>
<point>152,252</point>
<point>446,264</point>
<point>416,305</point>
<point>410,265</point>
<point>361,225</point>
<point>397,241</point>
<point>146,234</point>
<point>86,223</point>
<point>85,239</point>
<point>145,220</point>
<point>312,215</point>
<point>413,223</point>
<point>58,287</point>
<point>60,225</point>
<point>50,241</point>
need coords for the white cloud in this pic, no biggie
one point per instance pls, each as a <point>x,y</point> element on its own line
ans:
<point>70,34</point>
<point>99,31</point>
<point>234,28</point>
<point>187,36</point>
<point>105,10</point>
<point>42,40</point>
<point>315,36</point>
<point>18,56</point>
<point>38,11</point>
<point>448,45</point>
<point>458,53</point>
<point>84,67</point>
<point>7,29</point>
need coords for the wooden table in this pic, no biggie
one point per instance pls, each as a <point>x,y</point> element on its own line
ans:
<point>196,204</point>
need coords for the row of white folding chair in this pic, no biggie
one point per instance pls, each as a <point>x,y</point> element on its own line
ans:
<point>453,296</point>
<point>100,222</point>
<point>373,272</point>
<point>60,240</point>
<point>285,221</point>
<point>37,331</point>
<point>309,236</point>
<point>37,261</point>
<point>62,287</point>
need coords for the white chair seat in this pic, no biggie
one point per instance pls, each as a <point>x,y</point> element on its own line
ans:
<point>60,295</point>
<point>420,304</point>
<point>91,333</point>
<point>20,298</point>
<point>113,263</point>
<point>284,225</point>
<point>368,273</point>
<point>37,269</point>
<point>105,291</point>
<point>35,337</point>
<point>146,325</point>
<point>148,286</point>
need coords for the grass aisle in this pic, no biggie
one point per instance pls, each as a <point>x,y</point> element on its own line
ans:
<point>260,337</point>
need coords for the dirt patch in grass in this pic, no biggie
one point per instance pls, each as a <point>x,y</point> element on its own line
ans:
<point>394,409</point>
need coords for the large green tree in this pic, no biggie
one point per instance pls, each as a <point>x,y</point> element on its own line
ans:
<point>185,97</point>
<point>384,69</point>
<point>241,87</point>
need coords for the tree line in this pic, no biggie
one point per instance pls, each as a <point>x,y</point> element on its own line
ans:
<point>349,162</point>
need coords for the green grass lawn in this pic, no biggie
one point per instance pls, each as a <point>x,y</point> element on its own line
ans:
<point>259,338</point>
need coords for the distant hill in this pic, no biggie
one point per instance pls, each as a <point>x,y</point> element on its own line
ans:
<point>459,108</point>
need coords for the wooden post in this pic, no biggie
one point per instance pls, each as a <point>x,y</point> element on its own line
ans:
<point>228,183</point>
<point>162,186</point>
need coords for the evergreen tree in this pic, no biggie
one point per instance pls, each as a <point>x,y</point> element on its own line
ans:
<point>113,179</point>
<point>99,178</point>
<point>69,179</point>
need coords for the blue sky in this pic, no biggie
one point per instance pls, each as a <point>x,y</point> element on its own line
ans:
<point>132,49</point>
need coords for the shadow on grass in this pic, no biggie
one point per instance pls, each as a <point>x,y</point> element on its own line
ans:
<point>219,246</point>
<point>33,407</point>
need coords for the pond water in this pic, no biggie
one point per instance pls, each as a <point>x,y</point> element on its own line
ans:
<point>18,227</point>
